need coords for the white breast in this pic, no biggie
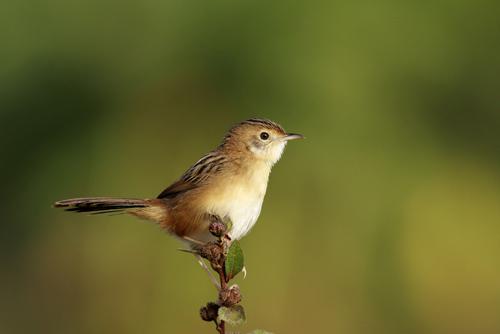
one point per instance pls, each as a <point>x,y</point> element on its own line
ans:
<point>242,200</point>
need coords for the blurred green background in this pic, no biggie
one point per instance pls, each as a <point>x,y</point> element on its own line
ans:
<point>385,220</point>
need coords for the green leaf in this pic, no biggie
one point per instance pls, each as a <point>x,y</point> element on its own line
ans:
<point>234,260</point>
<point>234,315</point>
<point>260,331</point>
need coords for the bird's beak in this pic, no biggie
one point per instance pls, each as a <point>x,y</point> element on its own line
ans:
<point>292,136</point>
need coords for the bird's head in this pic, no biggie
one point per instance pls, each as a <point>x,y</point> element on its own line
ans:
<point>263,139</point>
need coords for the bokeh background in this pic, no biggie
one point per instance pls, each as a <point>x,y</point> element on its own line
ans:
<point>385,220</point>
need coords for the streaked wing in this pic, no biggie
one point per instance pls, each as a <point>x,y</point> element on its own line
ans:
<point>175,189</point>
<point>201,171</point>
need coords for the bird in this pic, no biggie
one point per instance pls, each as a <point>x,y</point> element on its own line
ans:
<point>229,182</point>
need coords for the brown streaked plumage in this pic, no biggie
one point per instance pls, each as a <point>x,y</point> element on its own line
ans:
<point>229,182</point>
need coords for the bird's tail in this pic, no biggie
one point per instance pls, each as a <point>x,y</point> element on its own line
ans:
<point>96,205</point>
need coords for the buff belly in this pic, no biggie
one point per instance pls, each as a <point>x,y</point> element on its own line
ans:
<point>238,202</point>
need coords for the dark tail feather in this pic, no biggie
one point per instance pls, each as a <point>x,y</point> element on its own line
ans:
<point>98,205</point>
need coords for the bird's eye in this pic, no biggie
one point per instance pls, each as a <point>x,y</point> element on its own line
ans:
<point>264,135</point>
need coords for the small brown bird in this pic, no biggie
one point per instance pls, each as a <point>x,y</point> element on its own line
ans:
<point>229,182</point>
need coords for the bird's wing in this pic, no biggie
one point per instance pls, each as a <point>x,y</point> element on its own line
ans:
<point>176,188</point>
<point>209,165</point>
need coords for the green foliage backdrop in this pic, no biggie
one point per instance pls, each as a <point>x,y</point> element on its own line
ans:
<point>385,220</point>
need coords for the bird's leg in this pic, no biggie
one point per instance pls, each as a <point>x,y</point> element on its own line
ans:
<point>207,270</point>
